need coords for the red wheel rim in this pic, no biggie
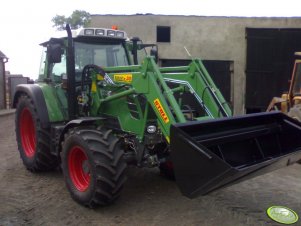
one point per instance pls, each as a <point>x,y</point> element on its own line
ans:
<point>27,133</point>
<point>79,168</point>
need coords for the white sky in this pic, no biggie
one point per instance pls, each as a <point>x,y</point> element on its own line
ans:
<point>25,24</point>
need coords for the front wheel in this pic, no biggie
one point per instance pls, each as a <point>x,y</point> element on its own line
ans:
<point>93,166</point>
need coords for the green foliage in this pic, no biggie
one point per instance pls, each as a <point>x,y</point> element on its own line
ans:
<point>79,18</point>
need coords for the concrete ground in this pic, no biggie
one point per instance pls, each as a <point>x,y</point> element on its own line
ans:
<point>147,199</point>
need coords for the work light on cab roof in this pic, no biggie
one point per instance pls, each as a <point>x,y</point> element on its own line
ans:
<point>102,32</point>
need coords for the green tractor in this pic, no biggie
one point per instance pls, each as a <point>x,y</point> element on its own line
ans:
<point>98,108</point>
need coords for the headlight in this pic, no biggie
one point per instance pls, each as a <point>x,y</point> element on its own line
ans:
<point>100,32</point>
<point>119,34</point>
<point>151,129</point>
<point>111,33</point>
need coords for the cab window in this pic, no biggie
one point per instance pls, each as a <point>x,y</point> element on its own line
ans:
<point>103,55</point>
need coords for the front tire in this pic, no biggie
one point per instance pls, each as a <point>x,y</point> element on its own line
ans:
<point>93,166</point>
<point>33,140</point>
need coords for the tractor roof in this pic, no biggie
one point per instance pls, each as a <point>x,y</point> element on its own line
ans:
<point>97,33</point>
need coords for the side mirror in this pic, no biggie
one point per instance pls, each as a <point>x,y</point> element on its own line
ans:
<point>135,41</point>
<point>54,53</point>
<point>154,53</point>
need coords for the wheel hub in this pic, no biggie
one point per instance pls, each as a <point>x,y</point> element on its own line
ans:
<point>79,168</point>
<point>27,132</point>
<point>86,167</point>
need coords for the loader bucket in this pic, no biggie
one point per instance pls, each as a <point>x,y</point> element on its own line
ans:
<point>212,154</point>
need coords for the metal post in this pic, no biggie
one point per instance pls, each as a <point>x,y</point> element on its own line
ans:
<point>5,60</point>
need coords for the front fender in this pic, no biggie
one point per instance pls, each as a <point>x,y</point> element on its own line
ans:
<point>76,123</point>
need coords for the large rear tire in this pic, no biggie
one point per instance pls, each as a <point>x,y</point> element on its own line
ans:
<point>33,141</point>
<point>93,166</point>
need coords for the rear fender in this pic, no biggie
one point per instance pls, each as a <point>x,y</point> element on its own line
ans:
<point>36,94</point>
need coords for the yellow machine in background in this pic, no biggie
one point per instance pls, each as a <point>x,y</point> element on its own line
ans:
<point>290,103</point>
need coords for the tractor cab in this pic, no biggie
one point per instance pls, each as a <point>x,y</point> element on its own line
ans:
<point>64,60</point>
<point>98,46</point>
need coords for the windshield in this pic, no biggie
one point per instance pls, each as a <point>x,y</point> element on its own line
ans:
<point>100,54</point>
<point>103,55</point>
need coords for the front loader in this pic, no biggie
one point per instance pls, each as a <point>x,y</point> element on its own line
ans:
<point>97,109</point>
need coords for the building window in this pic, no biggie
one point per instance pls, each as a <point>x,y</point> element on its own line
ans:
<point>163,34</point>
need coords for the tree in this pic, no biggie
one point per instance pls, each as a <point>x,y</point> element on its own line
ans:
<point>79,18</point>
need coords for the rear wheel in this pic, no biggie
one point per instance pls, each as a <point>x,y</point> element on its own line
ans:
<point>33,141</point>
<point>93,166</point>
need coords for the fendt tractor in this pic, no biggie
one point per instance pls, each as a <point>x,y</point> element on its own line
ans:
<point>96,109</point>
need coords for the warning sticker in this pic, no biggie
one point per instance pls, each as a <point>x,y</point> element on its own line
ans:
<point>161,110</point>
<point>127,78</point>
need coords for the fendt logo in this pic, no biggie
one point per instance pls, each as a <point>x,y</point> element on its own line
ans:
<point>161,110</point>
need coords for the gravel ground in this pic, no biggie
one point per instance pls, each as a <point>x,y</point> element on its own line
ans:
<point>147,199</point>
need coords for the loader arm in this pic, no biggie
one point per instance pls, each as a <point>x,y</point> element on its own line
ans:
<point>145,80</point>
<point>197,79</point>
<point>155,85</point>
